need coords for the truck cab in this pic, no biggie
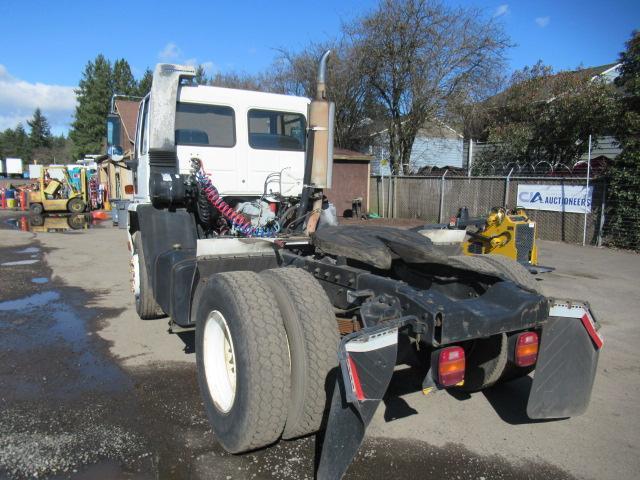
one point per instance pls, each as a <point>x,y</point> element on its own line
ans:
<point>240,136</point>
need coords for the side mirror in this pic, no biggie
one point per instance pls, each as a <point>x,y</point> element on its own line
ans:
<point>128,189</point>
<point>115,152</point>
<point>113,129</point>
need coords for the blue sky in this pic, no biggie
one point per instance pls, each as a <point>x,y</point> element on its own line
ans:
<point>44,45</point>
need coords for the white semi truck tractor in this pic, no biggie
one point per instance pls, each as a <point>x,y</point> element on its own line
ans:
<point>299,322</point>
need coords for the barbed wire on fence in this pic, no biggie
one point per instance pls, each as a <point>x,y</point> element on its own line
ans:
<point>435,199</point>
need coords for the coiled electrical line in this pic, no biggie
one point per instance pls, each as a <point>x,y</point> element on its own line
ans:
<point>239,222</point>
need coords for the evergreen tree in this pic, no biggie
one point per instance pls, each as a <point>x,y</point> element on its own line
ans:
<point>21,144</point>
<point>88,131</point>
<point>40,136</point>
<point>201,75</point>
<point>144,85</point>
<point>123,81</point>
<point>5,143</point>
<point>624,182</point>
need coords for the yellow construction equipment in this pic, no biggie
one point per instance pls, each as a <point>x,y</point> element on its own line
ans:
<point>57,192</point>
<point>509,233</point>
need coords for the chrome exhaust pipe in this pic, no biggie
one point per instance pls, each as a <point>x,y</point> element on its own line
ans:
<point>321,90</point>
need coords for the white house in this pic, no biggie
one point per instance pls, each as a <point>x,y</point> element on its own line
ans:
<point>436,145</point>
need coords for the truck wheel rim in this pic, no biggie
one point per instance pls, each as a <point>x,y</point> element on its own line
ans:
<point>219,361</point>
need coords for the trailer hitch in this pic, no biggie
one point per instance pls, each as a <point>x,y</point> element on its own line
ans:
<point>367,361</point>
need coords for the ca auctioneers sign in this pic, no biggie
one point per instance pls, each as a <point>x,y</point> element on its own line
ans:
<point>557,198</point>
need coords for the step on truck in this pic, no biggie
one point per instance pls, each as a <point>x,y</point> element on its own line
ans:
<point>299,321</point>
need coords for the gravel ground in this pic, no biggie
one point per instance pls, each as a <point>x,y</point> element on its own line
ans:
<point>89,391</point>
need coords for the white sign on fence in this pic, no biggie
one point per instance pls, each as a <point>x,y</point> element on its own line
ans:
<point>557,198</point>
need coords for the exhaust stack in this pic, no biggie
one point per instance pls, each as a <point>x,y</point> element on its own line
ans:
<point>321,114</point>
<point>318,166</point>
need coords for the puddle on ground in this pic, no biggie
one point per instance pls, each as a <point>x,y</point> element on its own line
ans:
<point>53,223</point>
<point>29,250</point>
<point>51,328</point>
<point>27,303</point>
<point>19,262</point>
<point>40,280</point>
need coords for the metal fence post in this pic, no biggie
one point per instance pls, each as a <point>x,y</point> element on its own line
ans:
<point>442,196</point>
<point>395,197</point>
<point>602,207</point>
<point>470,159</point>
<point>507,182</point>
<point>381,183</point>
<point>389,196</point>
<point>586,195</point>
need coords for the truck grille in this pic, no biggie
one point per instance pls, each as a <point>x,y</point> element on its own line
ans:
<point>524,242</point>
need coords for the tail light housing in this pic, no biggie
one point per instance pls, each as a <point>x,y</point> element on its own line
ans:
<point>527,349</point>
<point>451,364</point>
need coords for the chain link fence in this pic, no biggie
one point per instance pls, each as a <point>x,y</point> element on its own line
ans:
<point>622,217</point>
<point>436,199</point>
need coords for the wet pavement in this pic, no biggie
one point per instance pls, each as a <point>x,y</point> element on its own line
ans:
<point>50,223</point>
<point>70,410</point>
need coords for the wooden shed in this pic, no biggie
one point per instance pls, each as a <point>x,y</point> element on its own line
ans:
<point>115,176</point>
<point>351,172</point>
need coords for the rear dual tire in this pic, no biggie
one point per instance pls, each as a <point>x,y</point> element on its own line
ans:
<point>313,339</point>
<point>282,332</point>
<point>256,415</point>
<point>486,359</point>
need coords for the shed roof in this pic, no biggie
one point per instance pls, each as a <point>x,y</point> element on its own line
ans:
<point>350,155</point>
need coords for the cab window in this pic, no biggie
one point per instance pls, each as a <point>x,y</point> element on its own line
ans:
<point>272,130</point>
<point>206,125</point>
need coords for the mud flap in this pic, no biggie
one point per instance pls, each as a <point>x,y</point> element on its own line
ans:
<point>567,362</point>
<point>367,360</point>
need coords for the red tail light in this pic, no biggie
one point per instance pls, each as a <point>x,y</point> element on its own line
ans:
<point>451,366</point>
<point>527,349</point>
<point>273,207</point>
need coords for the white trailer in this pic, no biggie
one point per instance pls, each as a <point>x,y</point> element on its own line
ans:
<point>35,171</point>
<point>15,167</point>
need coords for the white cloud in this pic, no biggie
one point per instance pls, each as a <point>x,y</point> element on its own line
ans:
<point>501,10</point>
<point>542,21</point>
<point>172,53</point>
<point>209,67</point>
<point>19,98</point>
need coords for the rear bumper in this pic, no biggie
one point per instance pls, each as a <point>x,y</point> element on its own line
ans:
<point>565,372</point>
<point>442,320</point>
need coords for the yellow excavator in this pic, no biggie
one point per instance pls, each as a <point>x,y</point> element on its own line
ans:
<point>57,192</point>
<point>510,233</point>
